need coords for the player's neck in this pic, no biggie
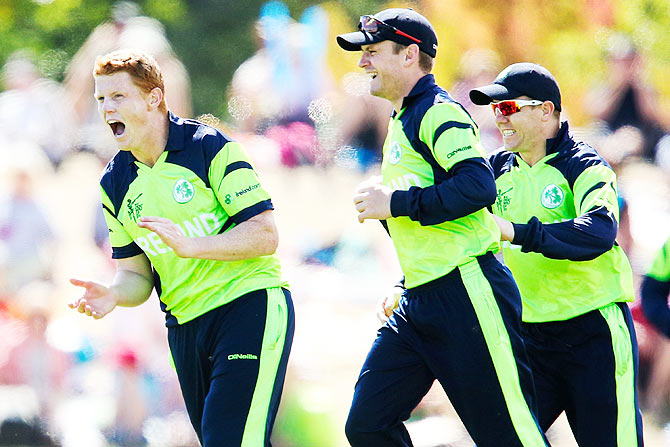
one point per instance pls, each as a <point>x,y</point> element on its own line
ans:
<point>154,140</point>
<point>408,84</point>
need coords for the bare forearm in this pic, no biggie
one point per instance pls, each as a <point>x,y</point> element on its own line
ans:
<point>251,239</point>
<point>130,288</point>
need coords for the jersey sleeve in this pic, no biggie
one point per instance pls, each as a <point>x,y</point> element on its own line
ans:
<point>236,185</point>
<point>468,185</point>
<point>660,267</point>
<point>450,134</point>
<point>655,289</point>
<point>122,244</point>
<point>594,188</point>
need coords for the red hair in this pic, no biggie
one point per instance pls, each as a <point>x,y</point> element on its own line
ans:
<point>141,67</point>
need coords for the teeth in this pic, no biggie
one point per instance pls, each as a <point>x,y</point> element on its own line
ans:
<point>508,132</point>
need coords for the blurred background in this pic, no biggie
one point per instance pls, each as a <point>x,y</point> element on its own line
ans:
<point>270,75</point>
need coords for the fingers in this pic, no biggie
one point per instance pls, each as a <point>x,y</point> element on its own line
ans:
<point>155,219</point>
<point>80,283</point>
<point>382,314</point>
<point>82,306</point>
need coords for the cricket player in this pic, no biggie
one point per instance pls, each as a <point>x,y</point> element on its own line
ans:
<point>188,217</point>
<point>557,211</point>
<point>458,320</point>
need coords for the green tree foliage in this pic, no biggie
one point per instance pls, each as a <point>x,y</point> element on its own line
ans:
<point>212,37</point>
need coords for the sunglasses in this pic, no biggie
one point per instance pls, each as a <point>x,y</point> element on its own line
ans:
<point>371,25</point>
<point>512,106</point>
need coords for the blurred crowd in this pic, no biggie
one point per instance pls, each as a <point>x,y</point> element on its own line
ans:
<point>65,380</point>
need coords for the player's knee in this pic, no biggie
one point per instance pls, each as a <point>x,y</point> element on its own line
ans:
<point>358,429</point>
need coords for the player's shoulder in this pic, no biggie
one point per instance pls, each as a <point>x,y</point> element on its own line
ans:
<point>575,156</point>
<point>501,161</point>
<point>117,177</point>
<point>118,168</point>
<point>198,135</point>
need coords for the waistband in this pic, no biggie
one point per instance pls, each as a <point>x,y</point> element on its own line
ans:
<point>456,274</point>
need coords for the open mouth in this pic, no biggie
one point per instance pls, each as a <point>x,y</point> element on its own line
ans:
<point>118,128</point>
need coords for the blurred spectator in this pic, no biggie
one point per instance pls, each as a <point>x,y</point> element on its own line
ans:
<point>34,110</point>
<point>477,67</point>
<point>132,407</point>
<point>33,361</point>
<point>127,29</point>
<point>626,102</point>
<point>363,120</point>
<point>26,236</point>
<point>274,92</point>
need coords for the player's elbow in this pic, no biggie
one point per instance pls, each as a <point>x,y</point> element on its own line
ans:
<point>269,240</point>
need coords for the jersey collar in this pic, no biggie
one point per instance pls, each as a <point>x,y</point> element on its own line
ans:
<point>176,133</point>
<point>554,144</point>
<point>175,140</point>
<point>423,85</point>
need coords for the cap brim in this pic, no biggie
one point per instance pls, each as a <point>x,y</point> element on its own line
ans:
<point>494,92</point>
<point>353,41</point>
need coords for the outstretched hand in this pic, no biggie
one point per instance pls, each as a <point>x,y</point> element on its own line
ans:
<point>97,300</point>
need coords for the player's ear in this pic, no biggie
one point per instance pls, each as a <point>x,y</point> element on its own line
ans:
<point>547,110</point>
<point>411,53</point>
<point>155,97</point>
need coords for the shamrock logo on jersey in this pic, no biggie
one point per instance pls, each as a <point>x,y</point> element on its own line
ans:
<point>552,197</point>
<point>395,153</point>
<point>183,191</point>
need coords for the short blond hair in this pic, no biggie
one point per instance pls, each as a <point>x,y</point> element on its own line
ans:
<point>141,67</point>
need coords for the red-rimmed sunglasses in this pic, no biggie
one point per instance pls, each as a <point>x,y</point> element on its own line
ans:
<point>512,106</point>
<point>371,25</point>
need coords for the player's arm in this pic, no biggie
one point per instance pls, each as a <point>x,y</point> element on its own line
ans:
<point>256,236</point>
<point>468,188</point>
<point>587,236</point>
<point>464,180</point>
<point>654,295</point>
<point>655,289</point>
<point>131,286</point>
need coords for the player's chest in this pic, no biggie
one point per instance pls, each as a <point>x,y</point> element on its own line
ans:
<point>402,165</point>
<point>175,193</point>
<point>540,191</point>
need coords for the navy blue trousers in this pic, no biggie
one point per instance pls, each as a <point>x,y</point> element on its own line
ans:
<point>587,367</point>
<point>464,330</point>
<point>231,364</point>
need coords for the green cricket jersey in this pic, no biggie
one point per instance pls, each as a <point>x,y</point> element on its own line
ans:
<point>426,139</point>
<point>565,259</point>
<point>206,184</point>
<point>660,267</point>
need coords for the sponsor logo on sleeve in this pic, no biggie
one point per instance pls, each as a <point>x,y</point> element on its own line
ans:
<point>460,149</point>
<point>247,189</point>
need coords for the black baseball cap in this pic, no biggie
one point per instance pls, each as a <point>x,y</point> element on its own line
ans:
<point>520,79</point>
<point>407,21</point>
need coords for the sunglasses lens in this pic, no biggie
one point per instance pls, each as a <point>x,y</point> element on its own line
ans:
<point>506,107</point>
<point>368,24</point>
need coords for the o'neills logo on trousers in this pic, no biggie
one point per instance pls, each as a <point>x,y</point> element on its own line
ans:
<point>242,357</point>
